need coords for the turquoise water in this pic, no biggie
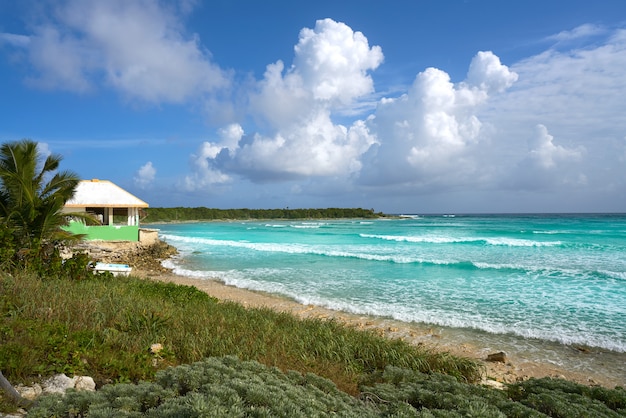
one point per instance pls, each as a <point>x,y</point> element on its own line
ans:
<point>553,278</point>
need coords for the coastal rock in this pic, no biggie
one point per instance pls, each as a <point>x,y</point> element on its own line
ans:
<point>85,383</point>
<point>499,357</point>
<point>57,384</point>
<point>29,392</point>
<point>140,256</point>
<point>493,384</point>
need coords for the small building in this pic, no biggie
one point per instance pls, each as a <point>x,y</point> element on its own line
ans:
<point>115,208</point>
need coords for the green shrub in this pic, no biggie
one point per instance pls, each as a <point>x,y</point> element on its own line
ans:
<point>228,387</point>
<point>7,247</point>
<point>214,387</point>
<point>562,398</point>
<point>441,395</point>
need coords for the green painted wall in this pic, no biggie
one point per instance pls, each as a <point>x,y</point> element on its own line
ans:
<point>105,233</point>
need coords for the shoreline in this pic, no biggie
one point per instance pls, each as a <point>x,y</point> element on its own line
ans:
<point>533,360</point>
<point>515,368</point>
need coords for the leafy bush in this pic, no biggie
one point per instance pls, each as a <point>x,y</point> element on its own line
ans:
<point>227,387</point>
<point>562,398</point>
<point>7,248</point>
<point>440,395</point>
<point>214,387</point>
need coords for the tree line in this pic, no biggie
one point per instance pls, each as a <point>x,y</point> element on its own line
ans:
<point>182,214</point>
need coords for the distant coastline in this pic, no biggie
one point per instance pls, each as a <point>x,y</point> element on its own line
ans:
<point>204,214</point>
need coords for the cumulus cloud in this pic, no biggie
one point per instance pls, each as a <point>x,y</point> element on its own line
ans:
<point>578,96</point>
<point>333,61</point>
<point>430,133</point>
<point>204,170</point>
<point>145,175</point>
<point>330,72</point>
<point>530,126</point>
<point>545,153</point>
<point>546,164</point>
<point>316,148</point>
<point>137,47</point>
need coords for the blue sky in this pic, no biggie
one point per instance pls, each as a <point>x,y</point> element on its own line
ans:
<point>403,106</point>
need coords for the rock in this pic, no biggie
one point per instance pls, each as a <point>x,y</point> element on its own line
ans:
<point>19,414</point>
<point>29,392</point>
<point>58,384</point>
<point>497,357</point>
<point>493,384</point>
<point>85,383</point>
<point>139,256</point>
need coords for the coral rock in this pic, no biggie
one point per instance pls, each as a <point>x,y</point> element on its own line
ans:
<point>497,357</point>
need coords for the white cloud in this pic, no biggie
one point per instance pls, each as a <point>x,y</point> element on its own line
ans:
<point>295,106</point>
<point>487,133</point>
<point>488,75</point>
<point>145,175</point>
<point>231,135</point>
<point>316,148</point>
<point>329,72</point>
<point>429,135</point>
<point>577,94</point>
<point>545,153</point>
<point>62,61</point>
<point>333,61</point>
<point>582,31</point>
<point>204,172</point>
<point>43,149</point>
<point>138,47</point>
<point>546,165</point>
<point>21,41</point>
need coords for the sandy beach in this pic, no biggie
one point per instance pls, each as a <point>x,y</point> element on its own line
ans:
<point>146,263</point>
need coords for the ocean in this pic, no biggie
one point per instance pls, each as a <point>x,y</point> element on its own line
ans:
<point>528,283</point>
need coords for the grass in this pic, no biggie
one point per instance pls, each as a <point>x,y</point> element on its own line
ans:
<point>104,327</point>
<point>231,361</point>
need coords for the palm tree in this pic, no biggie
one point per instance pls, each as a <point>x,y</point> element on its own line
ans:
<point>32,194</point>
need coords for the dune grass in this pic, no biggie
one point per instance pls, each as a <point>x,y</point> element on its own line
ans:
<point>104,327</point>
<point>233,361</point>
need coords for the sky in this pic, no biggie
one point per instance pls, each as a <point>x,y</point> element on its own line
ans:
<point>401,106</point>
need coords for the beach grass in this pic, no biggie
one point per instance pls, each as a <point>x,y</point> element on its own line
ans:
<point>228,360</point>
<point>104,327</point>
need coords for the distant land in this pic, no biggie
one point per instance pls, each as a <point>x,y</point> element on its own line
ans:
<point>181,214</point>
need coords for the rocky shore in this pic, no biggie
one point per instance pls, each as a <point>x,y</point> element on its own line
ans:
<point>144,259</point>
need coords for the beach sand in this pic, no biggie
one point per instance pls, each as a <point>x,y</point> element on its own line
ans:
<point>518,366</point>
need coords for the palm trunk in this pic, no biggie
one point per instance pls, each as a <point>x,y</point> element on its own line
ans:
<point>10,390</point>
